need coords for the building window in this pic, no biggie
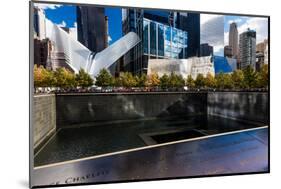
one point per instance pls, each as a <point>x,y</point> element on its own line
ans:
<point>145,36</point>
<point>160,40</point>
<point>152,38</point>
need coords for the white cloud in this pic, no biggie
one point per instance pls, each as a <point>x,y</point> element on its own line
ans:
<point>226,38</point>
<point>207,17</point>
<point>75,25</point>
<point>109,39</point>
<point>212,32</point>
<point>47,6</point>
<point>62,24</point>
<point>237,21</point>
<point>219,50</point>
<point>260,25</point>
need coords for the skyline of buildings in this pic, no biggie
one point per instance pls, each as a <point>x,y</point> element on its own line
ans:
<point>163,35</point>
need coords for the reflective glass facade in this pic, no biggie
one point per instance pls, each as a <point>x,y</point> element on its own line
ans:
<point>224,64</point>
<point>161,40</point>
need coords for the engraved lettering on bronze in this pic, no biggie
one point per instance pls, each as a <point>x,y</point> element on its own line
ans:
<point>77,179</point>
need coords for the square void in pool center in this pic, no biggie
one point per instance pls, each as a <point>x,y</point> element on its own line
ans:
<point>170,136</point>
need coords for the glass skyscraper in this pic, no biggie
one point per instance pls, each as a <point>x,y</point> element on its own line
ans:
<point>163,41</point>
<point>163,34</point>
<point>91,27</point>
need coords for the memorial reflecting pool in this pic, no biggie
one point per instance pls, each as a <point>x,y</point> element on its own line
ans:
<point>80,142</point>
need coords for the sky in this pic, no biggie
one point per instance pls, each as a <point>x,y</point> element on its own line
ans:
<point>214,28</point>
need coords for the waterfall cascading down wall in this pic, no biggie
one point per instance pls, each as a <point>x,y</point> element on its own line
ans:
<point>52,112</point>
<point>95,108</point>
<point>247,106</point>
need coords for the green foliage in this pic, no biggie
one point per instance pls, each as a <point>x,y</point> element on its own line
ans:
<point>153,80</point>
<point>61,77</point>
<point>223,81</point>
<point>237,78</point>
<point>104,78</point>
<point>200,81</point>
<point>43,77</point>
<point>83,79</point>
<point>210,81</point>
<point>262,80</point>
<point>250,77</point>
<point>64,78</point>
<point>176,80</point>
<point>126,79</point>
<point>190,82</point>
<point>141,80</point>
<point>164,81</point>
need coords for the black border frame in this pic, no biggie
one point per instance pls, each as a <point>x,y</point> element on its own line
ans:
<point>31,93</point>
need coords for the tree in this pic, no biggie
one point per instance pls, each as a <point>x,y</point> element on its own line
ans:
<point>153,80</point>
<point>237,78</point>
<point>164,81</point>
<point>83,79</point>
<point>43,77</point>
<point>263,77</point>
<point>64,78</point>
<point>49,78</point>
<point>190,82</point>
<point>176,80</point>
<point>224,81</point>
<point>210,81</point>
<point>180,81</point>
<point>141,80</point>
<point>117,82</point>
<point>126,79</point>
<point>200,81</point>
<point>250,77</point>
<point>228,84</point>
<point>37,75</point>
<point>104,79</point>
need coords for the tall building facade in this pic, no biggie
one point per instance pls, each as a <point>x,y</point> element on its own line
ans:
<point>206,50</point>
<point>164,35</point>
<point>39,23</point>
<point>190,22</point>
<point>233,39</point>
<point>266,54</point>
<point>261,54</point>
<point>42,52</point>
<point>91,27</point>
<point>247,49</point>
<point>228,51</point>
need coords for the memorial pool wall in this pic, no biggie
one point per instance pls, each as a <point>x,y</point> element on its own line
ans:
<point>52,112</point>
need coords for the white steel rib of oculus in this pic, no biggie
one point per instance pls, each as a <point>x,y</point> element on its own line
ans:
<point>81,57</point>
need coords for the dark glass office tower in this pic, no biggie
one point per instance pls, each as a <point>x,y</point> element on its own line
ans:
<point>91,27</point>
<point>132,21</point>
<point>206,50</point>
<point>190,22</point>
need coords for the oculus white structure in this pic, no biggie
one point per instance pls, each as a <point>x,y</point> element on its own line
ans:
<point>77,56</point>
